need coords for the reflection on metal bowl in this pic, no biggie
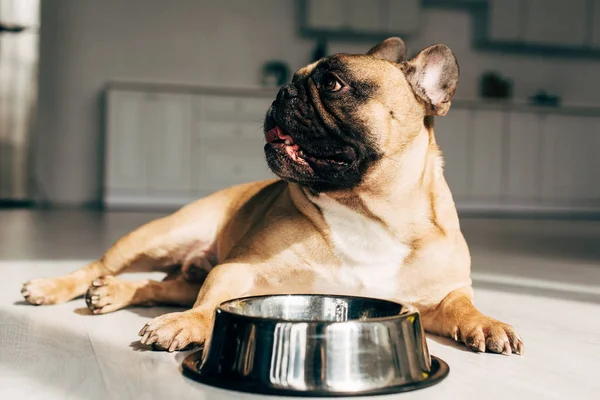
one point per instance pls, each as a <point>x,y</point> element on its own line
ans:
<point>316,345</point>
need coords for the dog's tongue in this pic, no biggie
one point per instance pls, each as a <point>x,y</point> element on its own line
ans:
<point>272,135</point>
<point>275,134</point>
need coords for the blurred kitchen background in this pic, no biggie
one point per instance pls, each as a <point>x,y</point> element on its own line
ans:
<point>146,105</point>
<point>141,104</point>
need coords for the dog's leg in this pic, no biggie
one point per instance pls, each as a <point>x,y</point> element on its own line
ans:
<point>457,317</point>
<point>155,246</point>
<point>175,331</point>
<point>108,294</point>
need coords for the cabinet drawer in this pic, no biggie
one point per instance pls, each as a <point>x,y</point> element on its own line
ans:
<point>231,130</point>
<point>227,108</point>
<point>255,108</point>
<point>221,163</point>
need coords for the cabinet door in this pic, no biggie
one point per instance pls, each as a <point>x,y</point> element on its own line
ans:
<point>595,27</point>
<point>570,158</point>
<point>364,16</point>
<point>555,22</point>
<point>403,16</point>
<point>127,141</point>
<point>505,20</point>
<point>231,108</point>
<point>169,156</point>
<point>523,181</point>
<point>452,135</point>
<point>325,14</point>
<point>222,163</point>
<point>487,152</point>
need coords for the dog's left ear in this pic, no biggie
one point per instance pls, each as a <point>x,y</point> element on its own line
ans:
<point>433,75</point>
<point>392,49</point>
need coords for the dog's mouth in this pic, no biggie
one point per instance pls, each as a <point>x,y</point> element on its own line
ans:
<point>284,142</point>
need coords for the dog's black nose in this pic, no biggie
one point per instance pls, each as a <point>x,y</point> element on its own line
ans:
<point>287,92</point>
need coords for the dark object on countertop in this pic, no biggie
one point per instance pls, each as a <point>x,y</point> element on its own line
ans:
<point>275,74</point>
<point>11,28</point>
<point>493,86</point>
<point>320,50</point>
<point>543,98</point>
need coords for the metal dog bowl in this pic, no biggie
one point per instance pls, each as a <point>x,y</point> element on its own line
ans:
<point>316,345</point>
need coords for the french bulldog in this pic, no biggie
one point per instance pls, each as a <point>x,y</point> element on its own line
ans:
<point>361,208</point>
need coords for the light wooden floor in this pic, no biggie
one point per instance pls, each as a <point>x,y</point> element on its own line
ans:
<point>541,276</point>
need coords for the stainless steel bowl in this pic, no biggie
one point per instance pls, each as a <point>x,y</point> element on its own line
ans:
<point>316,345</point>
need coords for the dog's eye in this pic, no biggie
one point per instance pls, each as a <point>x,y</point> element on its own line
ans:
<point>330,83</point>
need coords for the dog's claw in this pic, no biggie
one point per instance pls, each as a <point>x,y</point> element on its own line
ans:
<point>507,351</point>
<point>173,346</point>
<point>455,333</point>
<point>144,339</point>
<point>152,340</point>
<point>143,330</point>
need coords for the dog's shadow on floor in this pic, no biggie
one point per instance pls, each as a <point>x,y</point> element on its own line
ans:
<point>145,312</point>
<point>179,355</point>
<point>444,341</point>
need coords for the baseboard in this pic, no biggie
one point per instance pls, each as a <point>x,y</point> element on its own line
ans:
<point>528,211</point>
<point>119,202</point>
<point>7,203</point>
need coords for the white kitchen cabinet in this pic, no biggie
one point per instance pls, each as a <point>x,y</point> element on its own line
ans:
<point>523,158</point>
<point>325,14</point>
<point>452,133</point>
<point>234,108</point>
<point>570,162</point>
<point>148,147</point>
<point>228,141</point>
<point>222,163</point>
<point>595,25</point>
<point>487,154</point>
<point>169,152</point>
<point>168,148</point>
<point>505,20</point>
<point>127,142</point>
<point>555,22</point>
<point>230,130</point>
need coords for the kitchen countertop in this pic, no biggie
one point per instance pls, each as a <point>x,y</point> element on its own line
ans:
<point>513,105</point>
<point>541,276</point>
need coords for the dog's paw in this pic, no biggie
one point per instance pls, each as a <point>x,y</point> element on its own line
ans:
<point>107,294</point>
<point>47,291</point>
<point>483,333</point>
<point>176,331</point>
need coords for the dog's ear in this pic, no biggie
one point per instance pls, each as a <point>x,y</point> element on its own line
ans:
<point>391,49</point>
<point>433,75</point>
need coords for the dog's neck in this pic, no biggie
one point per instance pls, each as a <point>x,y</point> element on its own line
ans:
<point>396,191</point>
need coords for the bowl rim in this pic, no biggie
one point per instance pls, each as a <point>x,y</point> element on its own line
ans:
<point>410,310</point>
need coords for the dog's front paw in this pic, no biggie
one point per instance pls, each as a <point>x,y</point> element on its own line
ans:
<point>176,331</point>
<point>107,294</point>
<point>483,333</point>
<point>47,291</point>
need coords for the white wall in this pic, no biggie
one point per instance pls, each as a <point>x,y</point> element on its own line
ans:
<point>575,80</point>
<point>85,43</point>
